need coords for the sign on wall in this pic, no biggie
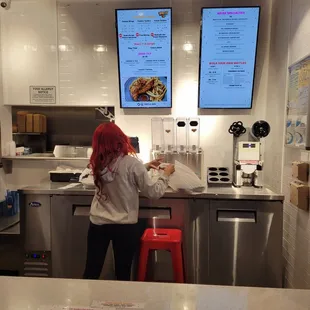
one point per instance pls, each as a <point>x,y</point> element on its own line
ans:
<point>298,107</point>
<point>42,94</point>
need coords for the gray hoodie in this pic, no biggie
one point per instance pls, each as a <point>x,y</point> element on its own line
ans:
<point>118,202</point>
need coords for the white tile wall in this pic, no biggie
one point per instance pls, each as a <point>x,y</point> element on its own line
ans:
<point>87,76</point>
<point>28,48</point>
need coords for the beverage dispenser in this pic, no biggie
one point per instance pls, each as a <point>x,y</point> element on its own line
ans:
<point>169,135</point>
<point>178,140</point>
<point>181,129</point>
<point>193,135</point>
<point>157,135</point>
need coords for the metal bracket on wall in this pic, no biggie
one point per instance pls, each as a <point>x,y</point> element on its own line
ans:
<point>7,166</point>
<point>105,113</point>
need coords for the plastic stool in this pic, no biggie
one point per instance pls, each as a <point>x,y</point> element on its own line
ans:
<point>162,239</point>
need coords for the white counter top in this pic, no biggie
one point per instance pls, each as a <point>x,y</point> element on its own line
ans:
<point>33,294</point>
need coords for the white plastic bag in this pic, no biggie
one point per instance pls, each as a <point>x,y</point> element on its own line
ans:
<point>87,178</point>
<point>185,178</point>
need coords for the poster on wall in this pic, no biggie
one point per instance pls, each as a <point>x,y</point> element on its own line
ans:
<point>298,104</point>
<point>228,50</point>
<point>42,94</point>
<point>144,57</point>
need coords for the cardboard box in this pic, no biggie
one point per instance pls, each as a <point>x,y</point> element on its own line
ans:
<point>21,121</point>
<point>300,195</point>
<point>44,124</point>
<point>300,171</point>
<point>38,123</point>
<point>29,123</point>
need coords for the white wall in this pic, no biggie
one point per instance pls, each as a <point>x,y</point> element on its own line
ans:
<point>84,76</point>
<point>290,41</point>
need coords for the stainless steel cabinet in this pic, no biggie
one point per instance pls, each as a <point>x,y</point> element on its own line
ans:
<point>69,227</point>
<point>36,228</point>
<point>197,241</point>
<point>246,243</point>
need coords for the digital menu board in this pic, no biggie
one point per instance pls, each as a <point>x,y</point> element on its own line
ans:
<point>227,57</point>
<point>144,57</point>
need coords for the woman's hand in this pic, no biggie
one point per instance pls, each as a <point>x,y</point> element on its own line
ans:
<point>169,170</point>
<point>154,164</point>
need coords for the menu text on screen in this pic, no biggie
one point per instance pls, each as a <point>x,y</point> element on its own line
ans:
<point>227,57</point>
<point>144,57</point>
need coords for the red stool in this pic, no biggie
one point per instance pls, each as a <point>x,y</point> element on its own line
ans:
<point>162,239</point>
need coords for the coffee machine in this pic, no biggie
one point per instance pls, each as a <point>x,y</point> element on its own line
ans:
<point>247,155</point>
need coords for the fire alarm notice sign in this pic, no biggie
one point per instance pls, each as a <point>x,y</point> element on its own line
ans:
<point>42,95</point>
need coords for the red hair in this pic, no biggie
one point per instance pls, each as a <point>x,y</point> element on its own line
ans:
<point>109,143</point>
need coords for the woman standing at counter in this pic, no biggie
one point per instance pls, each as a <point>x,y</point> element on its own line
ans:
<point>114,211</point>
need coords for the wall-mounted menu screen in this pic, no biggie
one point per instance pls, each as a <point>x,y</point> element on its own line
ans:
<point>227,57</point>
<point>144,57</point>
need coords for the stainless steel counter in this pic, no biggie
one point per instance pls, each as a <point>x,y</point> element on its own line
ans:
<point>250,193</point>
<point>226,232</point>
<point>48,294</point>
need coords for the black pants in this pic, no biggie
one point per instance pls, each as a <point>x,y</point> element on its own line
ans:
<point>125,241</point>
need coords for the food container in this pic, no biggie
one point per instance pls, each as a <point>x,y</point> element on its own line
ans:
<point>65,176</point>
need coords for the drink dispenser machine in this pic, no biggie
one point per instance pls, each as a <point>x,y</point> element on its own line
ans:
<point>178,140</point>
<point>157,135</point>
<point>181,128</point>
<point>169,136</point>
<point>193,135</point>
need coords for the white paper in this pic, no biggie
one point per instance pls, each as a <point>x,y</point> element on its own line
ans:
<point>42,94</point>
<point>56,307</point>
<point>69,186</point>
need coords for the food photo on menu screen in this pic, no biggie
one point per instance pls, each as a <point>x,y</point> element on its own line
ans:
<point>144,57</point>
<point>227,57</point>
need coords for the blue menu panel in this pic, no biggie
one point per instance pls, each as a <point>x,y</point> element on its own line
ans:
<point>144,57</point>
<point>227,57</point>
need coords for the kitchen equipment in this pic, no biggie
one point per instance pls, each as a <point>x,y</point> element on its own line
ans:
<point>169,134</point>
<point>70,151</point>
<point>64,176</point>
<point>219,176</point>
<point>247,157</point>
<point>157,134</point>
<point>36,225</point>
<point>260,129</point>
<point>245,243</point>
<point>193,134</point>
<point>191,156</point>
<point>182,133</point>
<point>237,129</point>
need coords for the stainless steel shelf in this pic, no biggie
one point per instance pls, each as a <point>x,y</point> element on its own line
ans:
<point>37,157</point>
<point>29,134</point>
